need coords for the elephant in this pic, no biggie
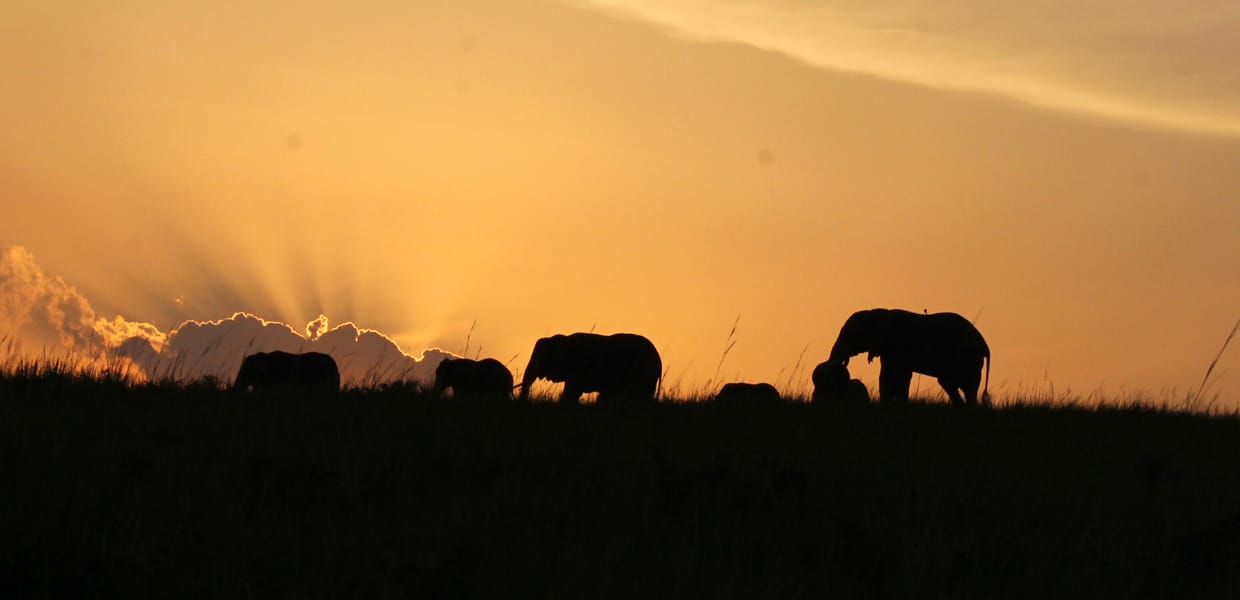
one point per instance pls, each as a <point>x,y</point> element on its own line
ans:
<point>942,345</point>
<point>473,379</point>
<point>748,393</point>
<point>309,372</point>
<point>832,385</point>
<point>620,367</point>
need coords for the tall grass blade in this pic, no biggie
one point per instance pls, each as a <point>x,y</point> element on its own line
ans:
<point>1201,388</point>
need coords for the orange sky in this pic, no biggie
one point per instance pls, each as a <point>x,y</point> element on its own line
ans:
<point>542,167</point>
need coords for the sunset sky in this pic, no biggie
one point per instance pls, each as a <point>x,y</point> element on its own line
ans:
<point>1066,174</point>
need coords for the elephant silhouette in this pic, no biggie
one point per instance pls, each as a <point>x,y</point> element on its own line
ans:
<point>748,394</point>
<point>473,379</point>
<point>942,345</point>
<point>269,371</point>
<point>622,367</point>
<point>832,385</point>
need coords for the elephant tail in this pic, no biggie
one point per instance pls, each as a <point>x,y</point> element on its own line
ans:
<point>986,387</point>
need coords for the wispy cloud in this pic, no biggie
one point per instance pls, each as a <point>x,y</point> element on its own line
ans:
<point>1161,64</point>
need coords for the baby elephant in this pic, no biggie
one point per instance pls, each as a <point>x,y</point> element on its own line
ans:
<point>833,386</point>
<point>748,393</point>
<point>473,379</point>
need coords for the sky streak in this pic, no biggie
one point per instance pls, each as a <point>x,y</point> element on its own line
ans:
<point>1161,65</point>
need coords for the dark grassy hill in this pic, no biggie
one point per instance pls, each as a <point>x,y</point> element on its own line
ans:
<point>180,491</point>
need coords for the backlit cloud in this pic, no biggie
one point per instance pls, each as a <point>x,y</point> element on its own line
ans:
<point>117,330</point>
<point>216,348</point>
<point>1156,63</point>
<point>46,315</point>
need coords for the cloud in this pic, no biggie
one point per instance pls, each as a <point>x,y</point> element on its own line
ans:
<point>1143,61</point>
<point>117,331</point>
<point>216,348</point>
<point>55,317</point>
<point>316,328</point>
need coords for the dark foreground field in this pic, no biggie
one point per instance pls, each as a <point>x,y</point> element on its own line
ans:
<point>173,492</point>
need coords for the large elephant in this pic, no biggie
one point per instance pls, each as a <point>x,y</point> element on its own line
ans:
<point>942,345</point>
<point>747,394</point>
<point>620,367</point>
<point>309,372</point>
<point>473,379</point>
<point>832,385</point>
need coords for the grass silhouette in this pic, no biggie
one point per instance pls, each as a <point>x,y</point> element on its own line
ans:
<point>121,488</point>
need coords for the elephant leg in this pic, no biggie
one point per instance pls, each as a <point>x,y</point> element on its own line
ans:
<point>615,396</point>
<point>645,393</point>
<point>970,384</point>
<point>953,391</point>
<point>623,396</point>
<point>571,394</point>
<point>893,383</point>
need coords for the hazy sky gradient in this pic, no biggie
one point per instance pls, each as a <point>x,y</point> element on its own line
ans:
<point>543,167</point>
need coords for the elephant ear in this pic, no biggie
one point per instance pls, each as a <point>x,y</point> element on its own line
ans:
<point>555,352</point>
<point>873,332</point>
<point>538,357</point>
<point>854,338</point>
<point>542,348</point>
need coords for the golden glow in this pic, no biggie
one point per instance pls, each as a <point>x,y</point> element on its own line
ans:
<point>542,167</point>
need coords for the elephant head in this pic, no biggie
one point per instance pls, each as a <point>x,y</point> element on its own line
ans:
<point>943,345</point>
<point>445,376</point>
<point>865,331</point>
<point>548,360</point>
<point>473,379</point>
<point>309,372</point>
<point>622,365</point>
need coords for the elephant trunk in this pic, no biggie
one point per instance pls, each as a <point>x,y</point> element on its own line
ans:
<point>242,382</point>
<point>840,353</point>
<point>247,384</point>
<point>528,377</point>
<point>527,380</point>
<point>533,369</point>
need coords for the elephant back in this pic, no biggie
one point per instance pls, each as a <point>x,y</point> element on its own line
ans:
<point>473,379</point>
<point>741,394</point>
<point>267,371</point>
